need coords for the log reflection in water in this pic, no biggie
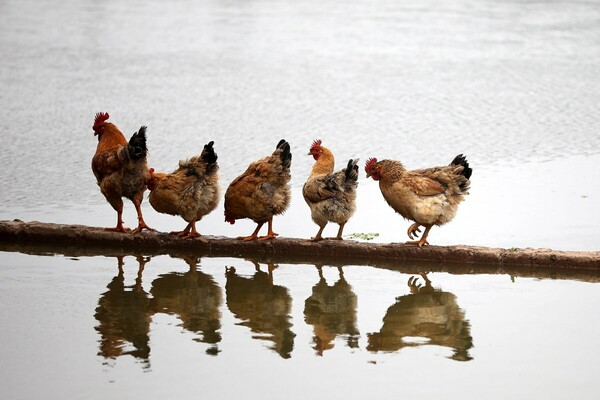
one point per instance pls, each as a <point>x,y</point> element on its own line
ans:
<point>331,310</point>
<point>195,298</point>
<point>425,313</point>
<point>262,306</point>
<point>123,317</point>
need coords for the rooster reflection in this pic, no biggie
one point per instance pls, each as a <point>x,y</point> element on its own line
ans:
<point>262,306</point>
<point>332,311</point>
<point>427,313</point>
<point>124,320</point>
<point>195,297</point>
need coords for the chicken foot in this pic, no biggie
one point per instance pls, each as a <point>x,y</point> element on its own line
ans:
<point>254,234</point>
<point>423,240</point>
<point>340,231</point>
<point>270,233</point>
<point>413,230</point>
<point>141,223</point>
<point>194,233</point>
<point>184,232</point>
<point>338,237</point>
<point>318,236</point>
<point>189,232</point>
<point>119,227</point>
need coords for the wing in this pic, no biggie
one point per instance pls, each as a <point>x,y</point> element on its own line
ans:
<point>320,188</point>
<point>423,184</point>
<point>107,163</point>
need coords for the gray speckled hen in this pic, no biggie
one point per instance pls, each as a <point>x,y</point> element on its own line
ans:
<point>330,196</point>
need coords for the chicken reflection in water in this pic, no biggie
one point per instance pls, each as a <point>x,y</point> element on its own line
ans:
<point>195,297</point>
<point>123,316</point>
<point>262,306</point>
<point>331,310</point>
<point>425,313</point>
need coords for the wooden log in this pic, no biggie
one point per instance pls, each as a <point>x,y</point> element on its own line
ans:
<point>78,240</point>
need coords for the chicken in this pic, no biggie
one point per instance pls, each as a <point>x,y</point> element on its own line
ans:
<point>426,196</point>
<point>330,196</point>
<point>120,168</point>
<point>191,191</point>
<point>261,192</point>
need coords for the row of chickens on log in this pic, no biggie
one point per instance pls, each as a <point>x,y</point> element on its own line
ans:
<point>426,196</point>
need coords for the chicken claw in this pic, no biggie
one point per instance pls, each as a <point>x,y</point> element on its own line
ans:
<point>141,227</point>
<point>423,240</point>
<point>184,232</point>
<point>414,230</point>
<point>270,233</point>
<point>254,234</point>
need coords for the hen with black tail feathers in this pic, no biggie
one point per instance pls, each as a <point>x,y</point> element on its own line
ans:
<point>120,168</point>
<point>330,196</point>
<point>426,196</point>
<point>191,191</point>
<point>262,191</point>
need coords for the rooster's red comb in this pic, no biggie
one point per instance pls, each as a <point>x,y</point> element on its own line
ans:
<point>151,170</point>
<point>370,162</point>
<point>316,144</point>
<point>100,118</point>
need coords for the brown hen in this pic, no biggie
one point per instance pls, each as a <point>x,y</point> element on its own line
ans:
<point>426,196</point>
<point>191,191</point>
<point>262,191</point>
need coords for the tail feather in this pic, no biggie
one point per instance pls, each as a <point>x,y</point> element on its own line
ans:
<point>466,171</point>
<point>462,161</point>
<point>209,156</point>
<point>285,155</point>
<point>137,144</point>
<point>352,170</point>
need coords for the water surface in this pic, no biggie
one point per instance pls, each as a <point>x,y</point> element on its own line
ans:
<point>141,327</point>
<point>513,85</point>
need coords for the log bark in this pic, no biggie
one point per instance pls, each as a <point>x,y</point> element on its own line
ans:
<point>78,240</point>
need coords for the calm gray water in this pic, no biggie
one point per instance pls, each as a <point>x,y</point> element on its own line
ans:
<point>514,85</point>
<point>80,328</point>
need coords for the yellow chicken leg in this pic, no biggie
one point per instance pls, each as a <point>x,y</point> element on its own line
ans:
<point>254,234</point>
<point>184,232</point>
<point>318,235</point>
<point>119,227</point>
<point>194,233</point>
<point>141,224</point>
<point>270,233</point>
<point>340,232</point>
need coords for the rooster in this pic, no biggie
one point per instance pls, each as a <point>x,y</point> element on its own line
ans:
<point>426,196</point>
<point>330,196</point>
<point>191,191</point>
<point>120,168</point>
<point>261,192</point>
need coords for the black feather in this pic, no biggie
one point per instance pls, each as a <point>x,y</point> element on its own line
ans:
<point>352,170</point>
<point>462,161</point>
<point>137,145</point>
<point>286,154</point>
<point>209,156</point>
